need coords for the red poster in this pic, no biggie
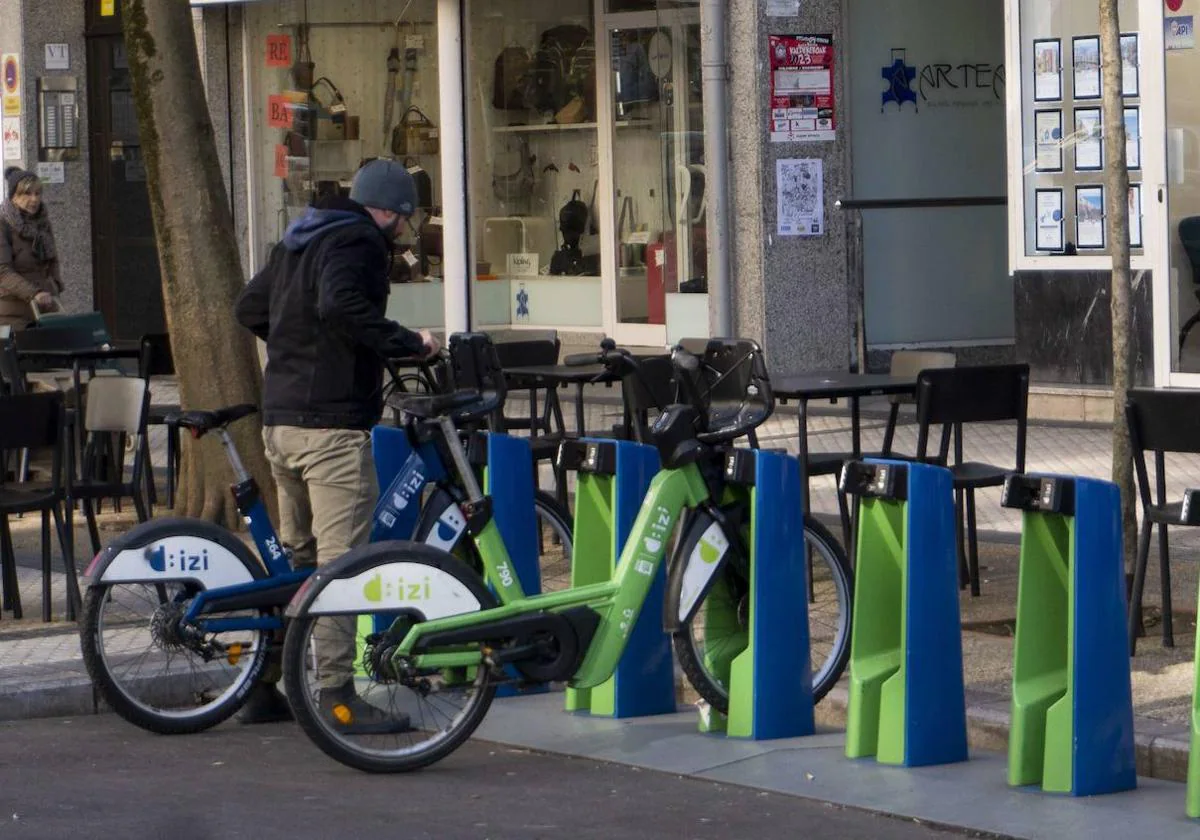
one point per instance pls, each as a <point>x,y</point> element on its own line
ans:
<point>279,50</point>
<point>281,161</point>
<point>802,99</point>
<point>279,114</point>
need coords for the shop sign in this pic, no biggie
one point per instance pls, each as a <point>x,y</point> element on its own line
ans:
<point>802,97</point>
<point>108,8</point>
<point>279,112</point>
<point>1179,33</point>
<point>10,67</point>
<point>279,50</point>
<point>523,265</point>
<point>942,84</point>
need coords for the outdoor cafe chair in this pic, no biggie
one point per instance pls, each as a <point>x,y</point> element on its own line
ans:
<point>33,422</point>
<point>116,406</point>
<point>1160,421</point>
<point>951,397</point>
<point>158,360</point>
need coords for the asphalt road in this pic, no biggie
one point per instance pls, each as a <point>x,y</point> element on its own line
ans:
<point>98,777</point>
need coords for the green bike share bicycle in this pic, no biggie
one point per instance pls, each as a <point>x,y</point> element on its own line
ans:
<point>434,639</point>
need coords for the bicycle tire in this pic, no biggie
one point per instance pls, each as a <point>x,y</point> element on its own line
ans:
<point>710,687</point>
<point>141,713</point>
<point>296,658</point>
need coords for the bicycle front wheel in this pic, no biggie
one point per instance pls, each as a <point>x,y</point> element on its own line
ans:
<point>343,689</point>
<point>720,628</point>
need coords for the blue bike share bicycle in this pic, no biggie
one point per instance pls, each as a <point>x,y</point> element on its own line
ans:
<point>180,614</point>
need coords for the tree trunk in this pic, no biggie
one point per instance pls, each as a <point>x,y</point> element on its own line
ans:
<point>1117,216</point>
<point>215,359</point>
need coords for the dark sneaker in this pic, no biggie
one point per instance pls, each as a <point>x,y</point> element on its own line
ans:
<point>352,715</point>
<point>265,705</point>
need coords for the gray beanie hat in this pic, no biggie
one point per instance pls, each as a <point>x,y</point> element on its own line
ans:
<point>386,185</point>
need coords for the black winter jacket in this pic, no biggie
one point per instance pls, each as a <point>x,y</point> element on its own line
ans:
<point>319,304</point>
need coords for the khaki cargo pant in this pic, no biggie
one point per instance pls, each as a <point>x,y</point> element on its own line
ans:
<point>327,491</point>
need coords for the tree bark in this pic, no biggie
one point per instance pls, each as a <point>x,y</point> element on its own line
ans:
<point>215,359</point>
<point>1117,219</point>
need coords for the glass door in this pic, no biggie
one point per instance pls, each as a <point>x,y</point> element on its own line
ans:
<point>656,139</point>
<point>1177,288</point>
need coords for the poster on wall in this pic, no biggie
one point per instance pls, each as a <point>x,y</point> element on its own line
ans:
<point>1135,215</point>
<point>1049,203</point>
<point>1129,65</point>
<point>1047,127</point>
<point>1133,138</point>
<point>1089,150</point>
<point>12,138</point>
<point>10,84</point>
<point>1047,70</point>
<point>1089,217</point>
<point>801,197</point>
<point>1085,52</point>
<point>802,98</point>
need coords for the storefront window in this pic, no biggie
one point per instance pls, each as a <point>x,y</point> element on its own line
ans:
<point>586,154</point>
<point>336,83</point>
<point>535,164</point>
<point>1063,147</point>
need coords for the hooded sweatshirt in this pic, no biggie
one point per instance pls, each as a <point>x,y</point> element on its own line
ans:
<point>320,305</point>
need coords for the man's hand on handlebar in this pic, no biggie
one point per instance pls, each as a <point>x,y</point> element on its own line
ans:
<point>432,345</point>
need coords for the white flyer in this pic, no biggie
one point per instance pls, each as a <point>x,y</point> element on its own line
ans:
<point>12,139</point>
<point>801,196</point>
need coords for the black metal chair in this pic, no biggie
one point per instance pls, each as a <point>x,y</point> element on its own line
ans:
<point>909,363</point>
<point>952,397</point>
<point>158,360</point>
<point>31,422</point>
<point>1160,421</point>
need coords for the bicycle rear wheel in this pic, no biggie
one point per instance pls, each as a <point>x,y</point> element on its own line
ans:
<point>396,722</point>
<point>154,672</point>
<point>720,628</point>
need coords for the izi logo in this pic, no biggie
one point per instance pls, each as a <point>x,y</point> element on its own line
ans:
<point>177,561</point>
<point>652,543</point>
<point>377,590</point>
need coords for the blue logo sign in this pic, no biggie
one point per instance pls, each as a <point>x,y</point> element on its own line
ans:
<point>900,77</point>
<point>522,303</point>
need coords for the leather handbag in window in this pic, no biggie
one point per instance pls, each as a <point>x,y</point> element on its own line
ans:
<point>415,134</point>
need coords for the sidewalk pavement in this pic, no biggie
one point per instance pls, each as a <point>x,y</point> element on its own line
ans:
<point>41,673</point>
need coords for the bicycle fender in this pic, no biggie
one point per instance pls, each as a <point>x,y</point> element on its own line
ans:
<point>176,549</point>
<point>698,558</point>
<point>396,576</point>
<point>442,523</point>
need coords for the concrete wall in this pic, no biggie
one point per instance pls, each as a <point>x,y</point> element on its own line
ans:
<point>790,291</point>
<point>39,23</point>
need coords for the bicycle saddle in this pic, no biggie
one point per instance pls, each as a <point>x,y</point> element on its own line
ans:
<point>201,423</point>
<point>466,404</point>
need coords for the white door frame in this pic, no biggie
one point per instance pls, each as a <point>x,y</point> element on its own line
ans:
<point>1155,196</point>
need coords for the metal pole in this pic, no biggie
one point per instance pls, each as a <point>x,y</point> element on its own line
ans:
<point>713,14</point>
<point>456,261</point>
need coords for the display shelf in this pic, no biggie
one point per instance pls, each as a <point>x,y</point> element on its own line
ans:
<point>552,127</point>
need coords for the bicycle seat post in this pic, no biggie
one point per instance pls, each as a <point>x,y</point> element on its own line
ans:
<point>235,460</point>
<point>459,456</point>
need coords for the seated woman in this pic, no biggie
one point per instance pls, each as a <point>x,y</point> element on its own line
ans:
<point>29,270</point>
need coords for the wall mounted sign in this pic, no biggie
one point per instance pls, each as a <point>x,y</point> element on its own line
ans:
<point>58,56</point>
<point>12,138</point>
<point>52,172</point>
<point>1179,33</point>
<point>802,95</point>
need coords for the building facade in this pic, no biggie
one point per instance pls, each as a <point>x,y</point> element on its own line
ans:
<point>835,178</point>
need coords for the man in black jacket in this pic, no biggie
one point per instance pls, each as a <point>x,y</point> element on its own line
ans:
<point>319,305</point>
